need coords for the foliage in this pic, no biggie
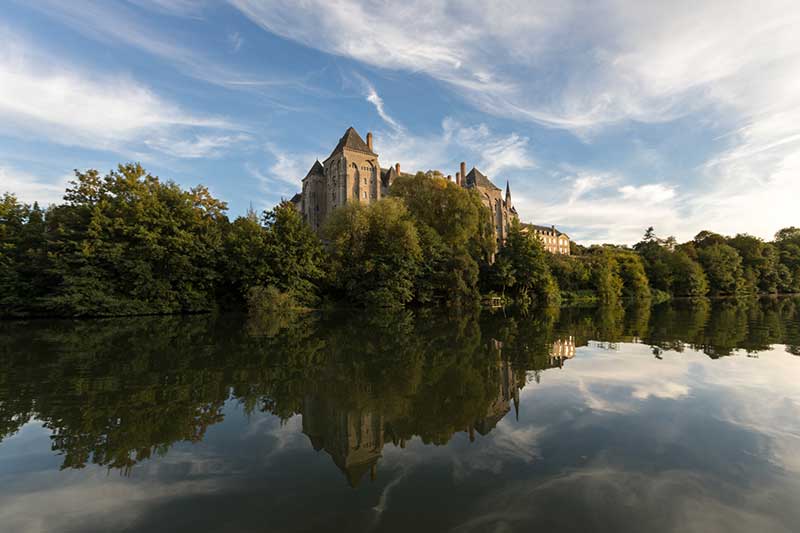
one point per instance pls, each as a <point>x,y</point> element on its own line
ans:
<point>687,276</point>
<point>295,253</point>
<point>455,236</point>
<point>128,243</point>
<point>521,266</point>
<point>375,252</point>
<point>723,267</point>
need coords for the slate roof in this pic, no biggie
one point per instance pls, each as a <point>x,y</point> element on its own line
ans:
<point>351,140</point>
<point>316,169</point>
<point>476,179</point>
<point>296,198</point>
<point>547,229</point>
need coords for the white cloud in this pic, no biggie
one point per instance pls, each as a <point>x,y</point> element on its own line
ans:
<point>200,145</point>
<point>101,21</point>
<point>283,177</point>
<point>374,99</point>
<point>483,148</point>
<point>584,183</point>
<point>179,8</point>
<point>721,65</point>
<point>45,97</point>
<point>236,40</point>
<point>28,188</point>
<point>648,194</point>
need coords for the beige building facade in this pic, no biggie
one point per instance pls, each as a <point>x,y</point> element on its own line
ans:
<point>554,241</point>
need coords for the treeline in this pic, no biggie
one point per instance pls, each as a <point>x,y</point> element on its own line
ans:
<point>128,243</point>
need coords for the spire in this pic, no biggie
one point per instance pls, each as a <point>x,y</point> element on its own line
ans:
<point>508,192</point>
<point>516,403</point>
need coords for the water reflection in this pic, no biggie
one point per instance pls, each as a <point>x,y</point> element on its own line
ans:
<point>124,392</point>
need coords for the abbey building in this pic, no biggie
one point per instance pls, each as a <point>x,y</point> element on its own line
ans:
<point>352,173</point>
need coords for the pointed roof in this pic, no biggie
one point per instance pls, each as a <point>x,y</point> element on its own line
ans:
<point>476,179</point>
<point>388,175</point>
<point>315,170</point>
<point>508,189</point>
<point>351,140</point>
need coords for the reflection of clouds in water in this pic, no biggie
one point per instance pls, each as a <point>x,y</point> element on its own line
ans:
<point>608,380</point>
<point>667,390</point>
<point>617,500</point>
<point>383,501</point>
<point>48,501</point>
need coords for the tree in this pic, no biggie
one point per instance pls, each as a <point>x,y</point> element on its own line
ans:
<point>127,243</point>
<point>787,242</point>
<point>605,275</point>
<point>522,265</point>
<point>656,261</point>
<point>294,253</point>
<point>688,278</point>
<point>759,263</point>
<point>455,236</point>
<point>375,252</point>
<point>504,273</point>
<point>632,273</point>
<point>723,267</point>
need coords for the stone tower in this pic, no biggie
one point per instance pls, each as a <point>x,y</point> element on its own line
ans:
<point>352,173</point>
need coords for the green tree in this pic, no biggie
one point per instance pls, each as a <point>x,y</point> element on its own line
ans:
<point>656,259</point>
<point>723,267</point>
<point>294,253</point>
<point>128,243</point>
<point>522,264</point>
<point>375,252</point>
<point>605,275</point>
<point>632,273</point>
<point>760,262</point>
<point>787,242</point>
<point>455,234</point>
<point>688,278</point>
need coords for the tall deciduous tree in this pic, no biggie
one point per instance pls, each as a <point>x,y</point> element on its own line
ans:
<point>723,267</point>
<point>375,252</point>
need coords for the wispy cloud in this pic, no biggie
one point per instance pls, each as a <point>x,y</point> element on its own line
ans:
<point>637,62</point>
<point>374,99</point>
<point>200,145</point>
<point>282,178</point>
<point>47,98</point>
<point>236,40</point>
<point>491,152</point>
<point>29,188</point>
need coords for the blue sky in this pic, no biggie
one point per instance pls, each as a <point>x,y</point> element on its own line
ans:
<point>606,116</point>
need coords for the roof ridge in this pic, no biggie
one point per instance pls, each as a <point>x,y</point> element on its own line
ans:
<point>351,140</point>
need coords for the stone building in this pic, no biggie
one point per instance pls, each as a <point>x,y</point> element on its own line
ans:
<point>562,350</point>
<point>554,241</point>
<point>352,173</point>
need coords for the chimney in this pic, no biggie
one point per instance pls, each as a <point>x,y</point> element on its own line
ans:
<point>369,140</point>
<point>449,177</point>
<point>397,168</point>
<point>464,173</point>
<point>458,178</point>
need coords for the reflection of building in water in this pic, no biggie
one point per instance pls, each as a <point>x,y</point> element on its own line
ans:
<point>355,438</point>
<point>562,350</point>
<point>500,407</point>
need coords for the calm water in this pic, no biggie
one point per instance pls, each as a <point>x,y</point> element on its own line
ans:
<point>680,417</point>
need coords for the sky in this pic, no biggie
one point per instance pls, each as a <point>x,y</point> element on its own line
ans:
<point>606,117</point>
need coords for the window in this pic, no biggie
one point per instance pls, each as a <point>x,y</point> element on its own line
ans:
<point>364,194</point>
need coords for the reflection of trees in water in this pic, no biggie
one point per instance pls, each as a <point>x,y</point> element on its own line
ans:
<point>115,392</point>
